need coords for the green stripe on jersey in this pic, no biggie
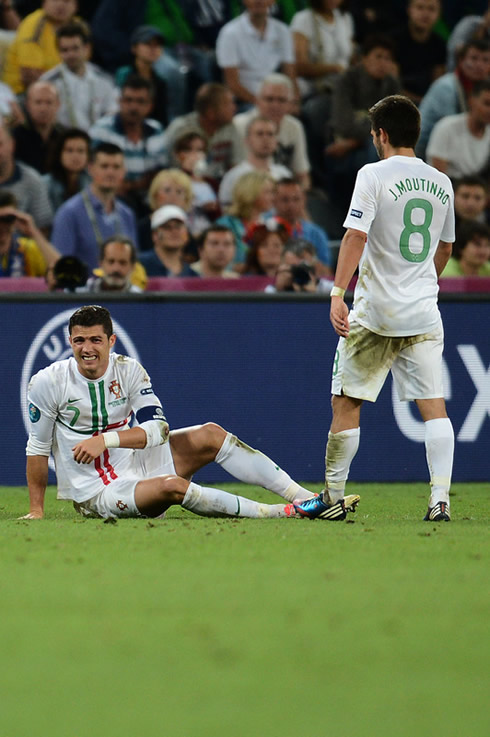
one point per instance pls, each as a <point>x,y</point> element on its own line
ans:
<point>95,414</point>
<point>103,409</point>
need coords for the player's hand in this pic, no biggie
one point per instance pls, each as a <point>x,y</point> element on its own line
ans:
<point>88,450</point>
<point>33,515</point>
<point>339,313</point>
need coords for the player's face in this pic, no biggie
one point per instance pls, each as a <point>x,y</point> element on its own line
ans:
<point>469,201</point>
<point>91,348</point>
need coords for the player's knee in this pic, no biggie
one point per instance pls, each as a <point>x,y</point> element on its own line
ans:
<point>213,436</point>
<point>171,488</point>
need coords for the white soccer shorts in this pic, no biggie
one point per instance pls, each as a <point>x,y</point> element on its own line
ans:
<point>117,499</point>
<point>362,362</point>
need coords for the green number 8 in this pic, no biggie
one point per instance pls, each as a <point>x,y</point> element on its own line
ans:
<point>410,228</point>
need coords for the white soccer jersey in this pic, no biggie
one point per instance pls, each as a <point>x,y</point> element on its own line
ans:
<point>65,407</point>
<point>405,207</point>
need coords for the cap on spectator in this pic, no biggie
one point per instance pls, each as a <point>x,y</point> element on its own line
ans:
<point>143,34</point>
<point>166,213</point>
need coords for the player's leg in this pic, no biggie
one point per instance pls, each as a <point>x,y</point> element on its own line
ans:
<point>439,450</point>
<point>195,447</point>
<point>417,374</point>
<point>154,496</point>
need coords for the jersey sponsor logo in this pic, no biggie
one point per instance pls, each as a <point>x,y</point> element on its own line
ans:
<point>34,413</point>
<point>50,344</point>
<point>356,213</point>
<point>70,401</point>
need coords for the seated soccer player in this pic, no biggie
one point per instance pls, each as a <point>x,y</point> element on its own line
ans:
<point>80,410</point>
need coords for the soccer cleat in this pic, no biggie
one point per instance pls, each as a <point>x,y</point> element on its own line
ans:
<point>438,513</point>
<point>318,508</point>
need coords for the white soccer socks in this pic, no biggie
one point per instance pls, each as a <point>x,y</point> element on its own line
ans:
<point>439,450</point>
<point>253,467</point>
<point>208,502</point>
<point>341,449</point>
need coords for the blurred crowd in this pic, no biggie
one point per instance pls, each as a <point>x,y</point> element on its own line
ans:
<point>219,139</point>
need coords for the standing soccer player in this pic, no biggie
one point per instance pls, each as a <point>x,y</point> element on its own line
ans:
<point>400,230</point>
<point>80,410</point>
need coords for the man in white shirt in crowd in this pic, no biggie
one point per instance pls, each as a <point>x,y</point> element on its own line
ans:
<point>261,144</point>
<point>86,92</point>
<point>459,145</point>
<point>252,46</point>
<point>274,100</point>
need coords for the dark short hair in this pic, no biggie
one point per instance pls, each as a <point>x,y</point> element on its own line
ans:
<point>377,41</point>
<point>7,198</point>
<point>482,85</point>
<point>70,134</point>
<point>481,44</point>
<point>91,315</point>
<point>214,229</point>
<point>470,180</point>
<point>468,231</point>
<point>111,149</point>
<point>74,29</point>
<point>208,95</point>
<point>123,240</point>
<point>183,141</point>
<point>399,117</point>
<point>136,82</point>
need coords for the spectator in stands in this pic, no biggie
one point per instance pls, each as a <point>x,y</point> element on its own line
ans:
<point>140,138</point>
<point>86,92</point>
<point>9,17</point>
<point>266,245</point>
<point>84,221</point>
<point>290,206</point>
<point>420,53</point>
<point>375,16</point>
<point>323,42</point>
<point>10,110</point>
<point>24,251</point>
<point>252,46</point>
<point>253,198</point>
<point>190,152</point>
<point>297,270</point>
<point>448,95</point>
<point>168,187</point>
<point>68,169</point>
<point>469,27</point>
<point>170,235</point>
<point>459,145</point>
<point>37,137</point>
<point>360,87</point>
<point>470,199</point>
<point>216,250</point>
<point>117,262</point>
<point>471,255</point>
<point>261,144</point>
<point>24,182</point>
<point>273,102</point>
<point>147,47</point>
<point>212,117</point>
<point>34,49</point>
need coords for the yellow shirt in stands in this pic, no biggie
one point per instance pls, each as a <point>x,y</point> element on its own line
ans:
<point>26,259</point>
<point>34,46</point>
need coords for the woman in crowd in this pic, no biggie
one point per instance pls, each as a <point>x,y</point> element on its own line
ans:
<point>253,197</point>
<point>68,171</point>
<point>265,249</point>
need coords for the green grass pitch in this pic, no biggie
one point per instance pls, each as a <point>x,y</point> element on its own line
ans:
<point>194,627</point>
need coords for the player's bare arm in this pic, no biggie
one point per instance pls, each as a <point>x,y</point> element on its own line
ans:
<point>37,481</point>
<point>91,448</point>
<point>350,253</point>
<point>442,256</point>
